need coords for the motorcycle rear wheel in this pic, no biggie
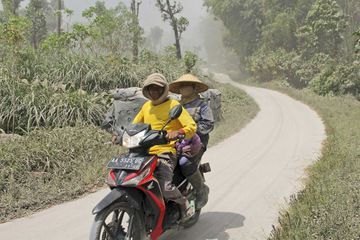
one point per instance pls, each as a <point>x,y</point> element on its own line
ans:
<point>118,222</point>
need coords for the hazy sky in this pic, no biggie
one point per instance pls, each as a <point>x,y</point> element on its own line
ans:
<point>150,17</point>
<point>149,14</point>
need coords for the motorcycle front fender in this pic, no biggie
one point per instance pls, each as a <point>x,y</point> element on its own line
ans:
<point>130,196</point>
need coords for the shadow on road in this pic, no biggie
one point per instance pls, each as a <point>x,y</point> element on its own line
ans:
<point>212,225</point>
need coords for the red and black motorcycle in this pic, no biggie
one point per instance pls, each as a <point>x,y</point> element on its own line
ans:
<point>135,208</point>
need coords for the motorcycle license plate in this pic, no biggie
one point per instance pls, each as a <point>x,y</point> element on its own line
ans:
<point>127,163</point>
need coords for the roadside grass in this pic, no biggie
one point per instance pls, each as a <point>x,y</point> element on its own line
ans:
<point>329,205</point>
<point>48,167</point>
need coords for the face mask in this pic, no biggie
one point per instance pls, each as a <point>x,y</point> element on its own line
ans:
<point>187,91</point>
<point>155,92</point>
<point>157,95</point>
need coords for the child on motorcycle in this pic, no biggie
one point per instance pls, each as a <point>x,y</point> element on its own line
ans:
<point>188,148</point>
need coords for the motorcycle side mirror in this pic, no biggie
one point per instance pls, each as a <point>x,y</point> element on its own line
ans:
<point>175,112</point>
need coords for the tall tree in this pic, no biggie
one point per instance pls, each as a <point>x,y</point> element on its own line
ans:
<point>7,7</point>
<point>11,6</point>
<point>135,7</point>
<point>351,9</point>
<point>54,12</point>
<point>35,12</point>
<point>323,30</point>
<point>110,29</point>
<point>169,12</point>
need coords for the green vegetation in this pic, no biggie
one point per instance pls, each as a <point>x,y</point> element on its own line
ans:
<point>328,207</point>
<point>46,167</point>
<point>64,80</point>
<point>55,89</point>
<point>25,106</point>
<point>313,46</point>
<point>308,44</point>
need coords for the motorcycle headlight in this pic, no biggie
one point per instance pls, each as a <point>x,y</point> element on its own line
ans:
<point>132,141</point>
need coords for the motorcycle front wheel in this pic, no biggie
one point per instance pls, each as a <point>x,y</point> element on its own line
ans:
<point>118,222</point>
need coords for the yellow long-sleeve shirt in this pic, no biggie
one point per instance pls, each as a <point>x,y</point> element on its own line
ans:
<point>157,116</point>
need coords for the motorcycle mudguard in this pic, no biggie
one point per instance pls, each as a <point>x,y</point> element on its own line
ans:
<point>131,196</point>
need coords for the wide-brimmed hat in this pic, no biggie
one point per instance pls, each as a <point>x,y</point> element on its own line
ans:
<point>188,78</point>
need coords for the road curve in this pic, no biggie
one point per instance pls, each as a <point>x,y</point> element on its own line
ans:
<point>257,170</point>
<point>254,172</point>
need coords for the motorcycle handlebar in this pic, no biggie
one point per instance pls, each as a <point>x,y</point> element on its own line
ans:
<point>161,139</point>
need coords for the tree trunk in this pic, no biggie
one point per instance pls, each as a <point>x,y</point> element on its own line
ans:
<point>176,31</point>
<point>348,34</point>
<point>136,32</point>
<point>135,48</point>
<point>14,7</point>
<point>59,18</point>
<point>34,40</point>
<point>177,41</point>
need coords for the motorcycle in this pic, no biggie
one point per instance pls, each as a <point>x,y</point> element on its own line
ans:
<point>135,208</point>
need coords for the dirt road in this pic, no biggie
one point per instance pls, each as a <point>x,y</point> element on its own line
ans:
<point>254,173</point>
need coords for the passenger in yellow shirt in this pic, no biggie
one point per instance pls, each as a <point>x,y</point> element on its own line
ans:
<point>155,112</point>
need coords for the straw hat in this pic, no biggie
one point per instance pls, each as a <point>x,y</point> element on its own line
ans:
<point>187,78</point>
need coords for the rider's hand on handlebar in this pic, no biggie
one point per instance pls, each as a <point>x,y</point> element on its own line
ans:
<point>173,135</point>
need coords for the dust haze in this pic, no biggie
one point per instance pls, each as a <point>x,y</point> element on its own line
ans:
<point>204,35</point>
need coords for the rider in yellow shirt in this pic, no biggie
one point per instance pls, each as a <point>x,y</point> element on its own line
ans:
<point>155,112</point>
<point>156,116</point>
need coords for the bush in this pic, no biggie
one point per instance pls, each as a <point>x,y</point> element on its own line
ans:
<point>338,80</point>
<point>321,73</point>
<point>67,89</point>
<point>279,64</point>
<point>93,73</point>
<point>25,106</point>
<point>308,69</point>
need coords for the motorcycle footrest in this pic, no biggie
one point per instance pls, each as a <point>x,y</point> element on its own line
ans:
<point>205,167</point>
